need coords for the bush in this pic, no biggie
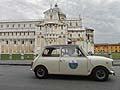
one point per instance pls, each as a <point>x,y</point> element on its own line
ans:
<point>5,57</point>
<point>17,57</point>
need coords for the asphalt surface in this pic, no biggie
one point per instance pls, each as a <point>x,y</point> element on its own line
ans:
<point>16,62</point>
<point>21,78</point>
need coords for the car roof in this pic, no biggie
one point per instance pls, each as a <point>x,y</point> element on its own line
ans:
<point>58,46</point>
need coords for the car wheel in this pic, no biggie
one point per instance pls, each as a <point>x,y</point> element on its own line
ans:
<point>41,72</point>
<point>100,74</point>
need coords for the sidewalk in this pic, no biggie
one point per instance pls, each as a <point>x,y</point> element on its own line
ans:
<point>16,62</point>
<point>28,62</point>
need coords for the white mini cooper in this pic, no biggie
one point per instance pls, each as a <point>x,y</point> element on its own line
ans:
<point>71,60</point>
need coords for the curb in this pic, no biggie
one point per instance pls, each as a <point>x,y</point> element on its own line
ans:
<point>15,64</point>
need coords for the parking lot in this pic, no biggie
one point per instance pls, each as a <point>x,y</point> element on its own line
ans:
<point>21,78</point>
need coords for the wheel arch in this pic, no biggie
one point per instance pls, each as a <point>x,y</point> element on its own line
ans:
<point>100,66</point>
<point>40,66</point>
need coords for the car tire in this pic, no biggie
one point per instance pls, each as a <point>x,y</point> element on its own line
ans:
<point>100,74</point>
<point>41,72</point>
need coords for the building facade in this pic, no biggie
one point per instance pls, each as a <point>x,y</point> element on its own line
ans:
<point>30,36</point>
<point>107,48</point>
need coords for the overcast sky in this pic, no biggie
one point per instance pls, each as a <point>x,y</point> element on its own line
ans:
<point>101,15</point>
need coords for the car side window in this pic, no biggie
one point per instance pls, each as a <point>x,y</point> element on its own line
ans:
<point>51,52</point>
<point>71,52</point>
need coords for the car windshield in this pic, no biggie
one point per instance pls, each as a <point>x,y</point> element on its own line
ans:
<point>72,51</point>
<point>85,53</point>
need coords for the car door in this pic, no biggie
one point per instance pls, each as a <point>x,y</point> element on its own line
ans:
<point>73,61</point>
<point>50,58</point>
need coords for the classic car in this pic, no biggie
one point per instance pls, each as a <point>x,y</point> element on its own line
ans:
<point>71,60</point>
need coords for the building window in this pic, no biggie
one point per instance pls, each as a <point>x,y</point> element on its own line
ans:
<point>24,25</point>
<point>55,26</point>
<point>30,25</point>
<point>62,27</point>
<point>88,37</point>
<point>4,34</point>
<point>31,42</point>
<point>14,42</point>
<point>116,51</point>
<point>70,35</point>
<point>13,25</point>
<point>40,27</point>
<point>12,33</point>
<point>51,16</point>
<point>1,26</point>
<point>7,25</point>
<point>76,24</point>
<point>70,24</point>
<point>22,42</point>
<point>50,26</point>
<point>79,35</point>
<point>6,42</point>
<point>18,25</point>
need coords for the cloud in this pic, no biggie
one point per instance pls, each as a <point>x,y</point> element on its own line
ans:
<point>102,15</point>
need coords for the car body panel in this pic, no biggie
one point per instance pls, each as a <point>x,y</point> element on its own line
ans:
<point>80,69</point>
<point>100,61</point>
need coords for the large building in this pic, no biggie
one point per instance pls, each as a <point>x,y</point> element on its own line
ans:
<point>30,36</point>
<point>107,48</point>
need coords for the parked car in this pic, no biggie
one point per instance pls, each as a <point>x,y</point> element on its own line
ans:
<point>71,60</point>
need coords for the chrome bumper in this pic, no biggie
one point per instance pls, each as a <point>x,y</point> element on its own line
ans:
<point>112,72</point>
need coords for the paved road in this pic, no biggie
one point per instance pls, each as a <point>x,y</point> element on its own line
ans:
<point>21,78</point>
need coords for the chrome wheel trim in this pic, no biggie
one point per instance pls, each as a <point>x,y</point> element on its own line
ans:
<point>100,74</point>
<point>40,72</point>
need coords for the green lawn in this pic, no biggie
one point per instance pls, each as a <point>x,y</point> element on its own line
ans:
<point>31,56</point>
<point>16,57</point>
<point>28,56</point>
<point>116,55</point>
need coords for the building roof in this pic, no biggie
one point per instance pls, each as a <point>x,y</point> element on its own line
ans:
<point>58,46</point>
<point>107,44</point>
<point>21,21</point>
